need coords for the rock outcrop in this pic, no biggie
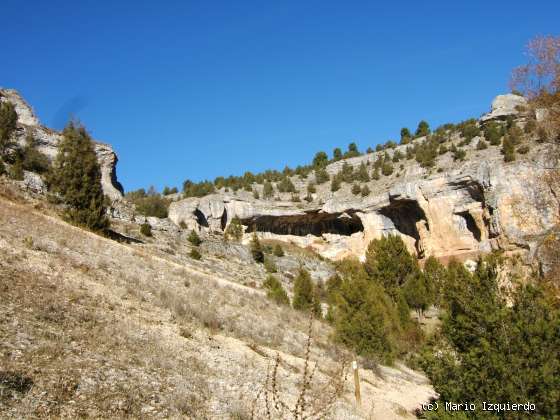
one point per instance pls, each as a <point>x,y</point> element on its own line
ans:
<point>461,210</point>
<point>47,142</point>
<point>505,105</point>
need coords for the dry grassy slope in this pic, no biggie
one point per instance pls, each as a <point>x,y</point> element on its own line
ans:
<point>90,327</point>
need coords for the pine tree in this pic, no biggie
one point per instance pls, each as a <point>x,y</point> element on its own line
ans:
<point>508,149</point>
<point>303,291</point>
<point>8,122</point>
<point>275,291</point>
<point>405,135</point>
<point>320,160</point>
<point>375,176</point>
<point>321,176</point>
<point>387,168</point>
<point>256,249</point>
<point>337,154</point>
<point>365,191</point>
<point>356,189</point>
<point>76,177</point>
<point>335,183</point>
<point>423,129</point>
<point>362,173</point>
<point>388,262</point>
<point>278,250</point>
<point>268,189</point>
<point>234,230</point>
<point>194,239</point>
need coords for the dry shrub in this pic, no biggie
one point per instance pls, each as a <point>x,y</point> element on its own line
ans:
<point>314,401</point>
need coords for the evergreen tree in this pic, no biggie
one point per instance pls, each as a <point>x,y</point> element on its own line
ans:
<point>286,185</point>
<point>388,262</point>
<point>303,299</point>
<point>335,183</point>
<point>493,133</point>
<point>234,230</point>
<point>405,135</point>
<point>8,122</point>
<point>76,177</point>
<point>417,292</point>
<point>423,129</point>
<point>16,170</point>
<point>508,149</point>
<point>320,160</point>
<point>194,239</point>
<point>275,291</point>
<point>337,154</point>
<point>352,151</point>
<point>256,249</point>
<point>387,168</point>
<point>278,250</point>
<point>365,318</point>
<point>375,175</point>
<point>321,176</point>
<point>268,189</point>
<point>436,274</point>
<point>362,173</point>
<point>311,188</point>
<point>33,160</point>
<point>356,189</point>
<point>365,191</point>
<point>481,145</point>
<point>497,349</point>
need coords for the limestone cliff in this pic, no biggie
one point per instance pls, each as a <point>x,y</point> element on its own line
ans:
<point>47,142</point>
<point>459,210</point>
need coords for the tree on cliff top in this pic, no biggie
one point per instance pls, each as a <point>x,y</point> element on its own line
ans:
<point>76,177</point>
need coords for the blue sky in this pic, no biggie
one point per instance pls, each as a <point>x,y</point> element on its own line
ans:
<point>197,89</point>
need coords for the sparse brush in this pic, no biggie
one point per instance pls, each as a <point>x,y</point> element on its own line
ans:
<point>313,402</point>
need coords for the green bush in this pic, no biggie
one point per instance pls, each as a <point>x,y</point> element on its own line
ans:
<point>530,126</point>
<point>321,176</point>
<point>362,173</point>
<point>278,250</point>
<point>365,191</point>
<point>76,178</point>
<point>33,160</point>
<point>493,133</point>
<point>311,188</point>
<point>356,189</point>
<point>16,170</point>
<point>305,297</point>
<point>375,175</point>
<point>234,230</point>
<point>168,191</point>
<point>523,150</point>
<point>405,135</point>
<point>199,189</point>
<point>194,239</point>
<point>146,229</point>
<point>423,129</point>
<point>256,249</point>
<point>335,183</point>
<point>496,349</point>
<point>268,190</point>
<point>364,317</point>
<point>481,145</point>
<point>388,262</point>
<point>270,266</point>
<point>8,123</point>
<point>195,254</point>
<point>149,204</point>
<point>275,291</point>
<point>508,149</point>
<point>286,185</point>
<point>387,168</point>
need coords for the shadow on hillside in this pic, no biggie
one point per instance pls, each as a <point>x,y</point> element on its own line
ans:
<point>116,236</point>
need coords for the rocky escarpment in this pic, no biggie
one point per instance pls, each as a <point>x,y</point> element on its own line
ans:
<point>459,210</point>
<point>47,142</point>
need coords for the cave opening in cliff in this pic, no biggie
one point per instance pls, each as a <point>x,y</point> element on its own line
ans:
<point>405,215</point>
<point>311,223</point>
<point>200,218</point>
<point>471,225</point>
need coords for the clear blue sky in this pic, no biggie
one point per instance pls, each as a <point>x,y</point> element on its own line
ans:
<point>197,89</point>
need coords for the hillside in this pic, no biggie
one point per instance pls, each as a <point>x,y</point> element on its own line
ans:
<point>97,328</point>
<point>249,296</point>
